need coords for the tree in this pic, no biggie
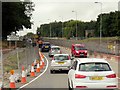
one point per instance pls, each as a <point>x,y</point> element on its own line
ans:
<point>16,16</point>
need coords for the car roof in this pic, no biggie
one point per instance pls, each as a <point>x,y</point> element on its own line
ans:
<point>88,60</point>
<point>46,42</point>
<point>61,54</point>
<point>55,47</point>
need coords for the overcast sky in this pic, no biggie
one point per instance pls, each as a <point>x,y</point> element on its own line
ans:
<point>61,10</point>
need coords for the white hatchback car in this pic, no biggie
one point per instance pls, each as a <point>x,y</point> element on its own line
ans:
<point>54,50</point>
<point>91,73</point>
<point>60,62</point>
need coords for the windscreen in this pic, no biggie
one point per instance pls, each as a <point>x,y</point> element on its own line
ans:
<point>80,48</point>
<point>94,67</point>
<point>55,49</point>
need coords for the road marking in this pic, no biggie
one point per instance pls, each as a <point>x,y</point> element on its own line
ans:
<point>37,76</point>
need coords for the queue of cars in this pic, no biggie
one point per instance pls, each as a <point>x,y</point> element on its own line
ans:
<point>83,73</point>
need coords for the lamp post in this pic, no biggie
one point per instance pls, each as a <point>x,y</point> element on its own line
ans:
<point>100,20</point>
<point>76,23</point>
<point>50,29</point>
<point>62,26</point>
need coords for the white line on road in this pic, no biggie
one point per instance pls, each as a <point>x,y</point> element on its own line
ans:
<point>37,76</point>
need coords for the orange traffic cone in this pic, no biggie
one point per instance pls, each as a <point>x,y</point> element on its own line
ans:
<point>23,79</point>
<point>32,74</point>
<point>42,59</point>
<point>12,80</point>
<point>38,67</point>
<point>41,65</point>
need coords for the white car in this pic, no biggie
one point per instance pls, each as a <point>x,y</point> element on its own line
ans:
<point>60,62</point>
<point>91,73</point>
<point>54,50</point>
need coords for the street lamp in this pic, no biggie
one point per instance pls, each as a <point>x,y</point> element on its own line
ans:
<point>62,26</point>
<point>100,21</point>
<point>50,29</point>
<point>76,23</point>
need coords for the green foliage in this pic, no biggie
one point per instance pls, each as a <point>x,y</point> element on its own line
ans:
<point>110,27</point>
<point>15,16</point>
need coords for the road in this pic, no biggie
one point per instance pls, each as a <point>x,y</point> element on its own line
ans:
<point>57,80</point>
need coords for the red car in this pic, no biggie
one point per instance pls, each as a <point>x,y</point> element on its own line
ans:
<point>78,50</point>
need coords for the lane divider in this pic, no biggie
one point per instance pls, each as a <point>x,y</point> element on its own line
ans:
<point>37,76</point>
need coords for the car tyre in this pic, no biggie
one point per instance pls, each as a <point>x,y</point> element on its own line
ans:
<point>51,71</point>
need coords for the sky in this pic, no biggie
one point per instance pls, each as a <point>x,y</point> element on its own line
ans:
<point>47,11</point>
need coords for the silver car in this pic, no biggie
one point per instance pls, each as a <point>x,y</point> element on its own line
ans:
<point>60,62</point>
<point>54,50</point>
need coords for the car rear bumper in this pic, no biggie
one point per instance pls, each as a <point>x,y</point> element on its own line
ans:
<point>97,85</point>
<point>80,55</point>
<point>59,67</point>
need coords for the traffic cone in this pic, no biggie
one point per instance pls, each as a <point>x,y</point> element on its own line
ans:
<point>23,79</point>
<point>41,65</point>
<point>42,59</point>
<point>12,80</point>
<point>38,67</point>
<point>32,73</point>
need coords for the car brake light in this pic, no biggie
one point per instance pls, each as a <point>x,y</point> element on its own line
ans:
<point>68,57</point>
<point>81,86</point>
<point>60,52</point>
<point>79,76</point>
<point>53,58</point>
<point>111,76</point>
<point>85,51</point>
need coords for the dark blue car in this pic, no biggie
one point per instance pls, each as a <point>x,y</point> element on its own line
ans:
<point>45,46</point>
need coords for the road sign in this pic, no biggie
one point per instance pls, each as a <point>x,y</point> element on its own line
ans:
<point>12,38</point>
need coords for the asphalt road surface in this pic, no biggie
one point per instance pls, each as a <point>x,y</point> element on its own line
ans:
<point>56,80</point>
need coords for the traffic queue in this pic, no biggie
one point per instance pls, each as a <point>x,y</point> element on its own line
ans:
<point>83,72</point>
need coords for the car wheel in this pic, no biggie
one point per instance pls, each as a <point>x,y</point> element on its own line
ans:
<point>51,71</point>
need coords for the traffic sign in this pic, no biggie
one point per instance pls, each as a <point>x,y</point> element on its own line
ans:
<point>12,38</point>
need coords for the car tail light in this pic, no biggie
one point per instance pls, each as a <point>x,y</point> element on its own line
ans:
<point>68,57</point>
<point>79,76</point>
<point>60,52</point>
<point>52,58</point>
<point>81,86</point>
<point>111,76</point>
<point>112,86</point>
<point>85,51</point>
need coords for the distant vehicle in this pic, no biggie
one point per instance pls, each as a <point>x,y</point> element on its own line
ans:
<point>54,50</point>
<point>78,50</point>
<point>40,42</point>
<point>60,62</point>
<point>45,46</point>
<point>91,73</point>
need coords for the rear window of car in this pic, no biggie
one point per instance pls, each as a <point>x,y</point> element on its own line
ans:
<point>47,44</point>
<point>80,48</point>
<point>55,49</point>
<point>94,67</point>
<point>61,57</point>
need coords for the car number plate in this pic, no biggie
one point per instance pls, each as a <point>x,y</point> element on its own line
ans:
<point>60,62</point>
<point>82,54</point>
<point>96,78</point>
<point>46,46</point>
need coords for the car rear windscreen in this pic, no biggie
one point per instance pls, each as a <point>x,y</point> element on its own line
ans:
<point>55,49</point>
<point>80,48</point>
<point>94,66</point>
